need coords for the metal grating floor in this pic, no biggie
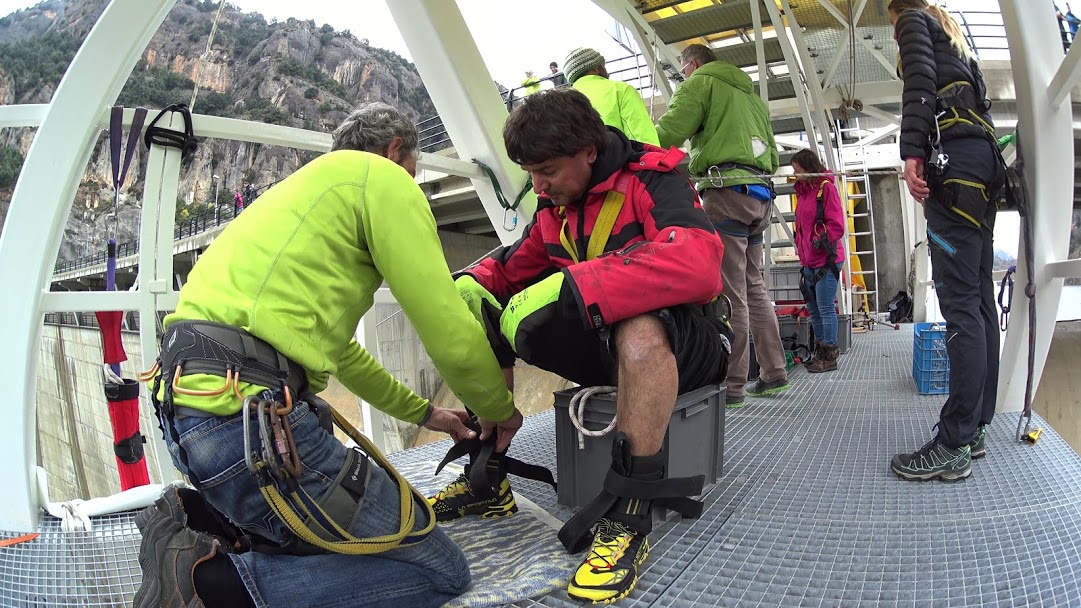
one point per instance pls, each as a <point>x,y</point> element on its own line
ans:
<point>807,513</point>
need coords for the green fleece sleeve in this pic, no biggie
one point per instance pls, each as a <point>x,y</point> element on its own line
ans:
<point>400,233</point>
<point>366,378</point>
<point>636,120</point>
<point>685,114</point>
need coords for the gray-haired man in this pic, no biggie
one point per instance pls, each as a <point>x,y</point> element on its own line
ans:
<point>269,312</point>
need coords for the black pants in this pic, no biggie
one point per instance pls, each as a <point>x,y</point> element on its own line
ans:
<point>960,223</point>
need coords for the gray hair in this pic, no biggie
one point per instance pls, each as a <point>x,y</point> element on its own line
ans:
<point>698,52</point>
<point>373,127</point>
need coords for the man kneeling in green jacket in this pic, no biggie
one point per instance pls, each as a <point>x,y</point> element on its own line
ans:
<point>267,316</point>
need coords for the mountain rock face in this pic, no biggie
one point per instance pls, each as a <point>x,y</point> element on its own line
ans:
<point>294,73</point>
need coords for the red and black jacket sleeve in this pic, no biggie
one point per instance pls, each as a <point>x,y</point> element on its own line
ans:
<point>678,261</point>
<point>511,269</point>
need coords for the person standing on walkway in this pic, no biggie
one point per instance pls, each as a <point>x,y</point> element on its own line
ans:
<point>618,103</point>
<point>953,168</point>
<point>732,142</point>
<point>819,236</point>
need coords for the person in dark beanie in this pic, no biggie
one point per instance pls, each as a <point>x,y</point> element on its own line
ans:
<point>618,103</point>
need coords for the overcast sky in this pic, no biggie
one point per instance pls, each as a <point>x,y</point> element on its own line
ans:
<point>512,35</point>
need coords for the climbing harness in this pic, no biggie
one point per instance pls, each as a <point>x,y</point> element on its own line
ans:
<point>819,241</point>
<point>483,462</point>
<point>318,523</point>
<point>184,141</point>
<point>577,412</point>
<point>1005,297</point>
<point>602,227</point>
<point>667,493</point>
<point>510,210</point>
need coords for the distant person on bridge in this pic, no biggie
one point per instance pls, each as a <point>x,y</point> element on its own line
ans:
<point>619,104</point>
<point>558,79</point>
<point>269,313</point>
<point>953,168</point>
<point>732,145</point>
<point>612,283</point>
<point>531,83</point>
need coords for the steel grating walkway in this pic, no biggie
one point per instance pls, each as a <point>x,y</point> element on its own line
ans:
<point>807,513</point>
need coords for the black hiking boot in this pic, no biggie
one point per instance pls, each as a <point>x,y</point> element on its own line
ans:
<point>168,555</point>
<point>978,445</point>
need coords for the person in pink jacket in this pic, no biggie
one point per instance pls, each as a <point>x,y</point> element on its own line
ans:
<point>819,242</point>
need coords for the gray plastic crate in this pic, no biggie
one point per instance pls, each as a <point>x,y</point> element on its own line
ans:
<point>694,443</point>
<point>795,330</point>
<point>784,283</point>
<point>844,333</point>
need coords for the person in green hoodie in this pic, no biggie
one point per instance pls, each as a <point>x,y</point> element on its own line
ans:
<point>732,143</point>
<point>269,311</point>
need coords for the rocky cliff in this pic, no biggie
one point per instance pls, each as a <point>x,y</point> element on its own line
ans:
<point>295,73</point>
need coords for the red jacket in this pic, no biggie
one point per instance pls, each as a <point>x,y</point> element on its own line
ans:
<point>662,251</point>
<point>807,210</point>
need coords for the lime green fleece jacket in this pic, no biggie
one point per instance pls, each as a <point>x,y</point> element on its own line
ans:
<point>620,106</point>
<point>300,267</point>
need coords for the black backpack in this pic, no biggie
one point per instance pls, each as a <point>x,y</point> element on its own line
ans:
<point>900,308</point>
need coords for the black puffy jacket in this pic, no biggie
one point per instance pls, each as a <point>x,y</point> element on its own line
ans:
<point>936,79</point>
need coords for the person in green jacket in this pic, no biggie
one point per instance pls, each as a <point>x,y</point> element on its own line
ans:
<point>618,103</point>
<point>732,142</point>
<point>272,307</point>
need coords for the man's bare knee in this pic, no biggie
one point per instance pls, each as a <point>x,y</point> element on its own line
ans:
<point>642,338</point>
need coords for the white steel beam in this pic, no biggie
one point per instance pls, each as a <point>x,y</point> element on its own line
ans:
<point>880,114</point>
<point>466,98</point>
<point>835,63</point>
<point>35,225</point>
<point>25,115</point>
<point>1067,76</point>
<point>1046,145</point>
<point>625,12</point>
<point>1066,269</point>
<point>793,72</point>
<point>760,51</point>
<point>879,92</point>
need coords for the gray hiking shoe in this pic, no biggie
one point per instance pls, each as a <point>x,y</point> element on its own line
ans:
<point>168,555</point>
<point>933,460</point>
<point>978,445</point>
<point>761,388</point>
<point>734,403</point>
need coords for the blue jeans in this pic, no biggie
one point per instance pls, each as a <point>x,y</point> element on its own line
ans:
<point>428,573</point>
<point>822,309</point>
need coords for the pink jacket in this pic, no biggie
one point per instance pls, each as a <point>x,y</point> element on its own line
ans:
<point>806,231</point>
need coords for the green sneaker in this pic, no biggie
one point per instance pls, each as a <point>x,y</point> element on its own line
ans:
<point>978,445</point>
<point>733,403</point>
<point>933,460</point>
<point>761,388</point>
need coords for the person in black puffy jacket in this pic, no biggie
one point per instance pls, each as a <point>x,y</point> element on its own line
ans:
<point>953,168</point>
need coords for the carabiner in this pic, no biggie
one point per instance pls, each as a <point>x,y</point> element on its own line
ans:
<point>510,219</point>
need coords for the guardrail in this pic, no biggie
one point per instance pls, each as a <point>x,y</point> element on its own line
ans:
<point>197,224</point>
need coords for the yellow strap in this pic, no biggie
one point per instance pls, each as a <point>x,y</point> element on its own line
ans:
<point>602,228</point>
<point>606,221</point>
<point>965,182</point>
<point>352,545</point>
<point>565,237</point>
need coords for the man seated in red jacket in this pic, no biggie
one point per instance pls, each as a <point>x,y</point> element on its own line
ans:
<point>610,284</point>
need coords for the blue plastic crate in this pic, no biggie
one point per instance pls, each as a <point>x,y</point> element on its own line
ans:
<point>930,361</point>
